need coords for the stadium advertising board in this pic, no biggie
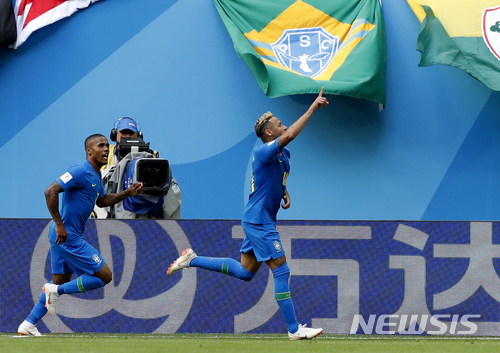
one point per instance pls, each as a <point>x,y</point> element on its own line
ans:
<point>349,277</point>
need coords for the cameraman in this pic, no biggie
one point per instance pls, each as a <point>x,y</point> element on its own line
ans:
<point>128,128</point>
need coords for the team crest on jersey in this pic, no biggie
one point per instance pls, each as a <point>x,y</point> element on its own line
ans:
<point>307,51</point>
<point>277,246</point>
<point>96,258</point>
<point>490,26</point>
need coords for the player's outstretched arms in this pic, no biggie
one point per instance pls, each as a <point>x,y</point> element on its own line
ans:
<point>295,129</point>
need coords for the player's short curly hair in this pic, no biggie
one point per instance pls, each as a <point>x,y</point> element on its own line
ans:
<point>262,123</point>
<point>90,138</point>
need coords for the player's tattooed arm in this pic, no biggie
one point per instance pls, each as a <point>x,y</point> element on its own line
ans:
<point>52,199</point>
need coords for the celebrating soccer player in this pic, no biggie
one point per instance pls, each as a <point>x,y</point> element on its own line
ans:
<point>82,188</point>
<point>270,169</point>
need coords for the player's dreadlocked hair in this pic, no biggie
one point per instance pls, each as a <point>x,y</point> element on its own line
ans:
<point>262,123</point>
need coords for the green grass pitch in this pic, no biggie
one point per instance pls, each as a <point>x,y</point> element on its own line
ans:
<point>242,343</point>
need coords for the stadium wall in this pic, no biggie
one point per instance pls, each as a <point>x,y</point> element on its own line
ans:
<point>432,154</point>
<point>358,277</point>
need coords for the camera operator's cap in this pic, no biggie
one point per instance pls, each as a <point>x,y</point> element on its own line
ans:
<point>126,124</point>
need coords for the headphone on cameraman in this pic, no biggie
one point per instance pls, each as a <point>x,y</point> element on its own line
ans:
<point>114,131</point>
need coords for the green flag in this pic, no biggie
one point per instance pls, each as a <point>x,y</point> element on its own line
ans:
<point>295,47</point>
<point>461,33</point>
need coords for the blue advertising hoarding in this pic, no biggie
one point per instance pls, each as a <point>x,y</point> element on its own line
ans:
<point>349,277</point>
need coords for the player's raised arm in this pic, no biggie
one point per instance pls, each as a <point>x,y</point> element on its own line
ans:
<point>298,125</point>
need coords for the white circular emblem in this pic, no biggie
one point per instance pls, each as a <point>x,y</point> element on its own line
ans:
<point>96,258</point>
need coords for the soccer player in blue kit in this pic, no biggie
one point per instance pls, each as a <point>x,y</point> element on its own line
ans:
<point>82,188</point>
<point>270,169</point>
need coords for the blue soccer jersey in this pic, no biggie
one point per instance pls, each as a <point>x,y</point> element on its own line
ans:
<point>270,169</point>
<point>82,187</point>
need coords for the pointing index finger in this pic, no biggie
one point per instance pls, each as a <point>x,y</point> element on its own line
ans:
<point>321,93</point>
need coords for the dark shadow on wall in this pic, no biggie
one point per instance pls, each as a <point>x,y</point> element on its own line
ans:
<point>470,188</point>
<point>347,126</point>
<point>215,191</point>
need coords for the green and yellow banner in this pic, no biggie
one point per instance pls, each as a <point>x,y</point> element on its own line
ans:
<point>299,46</point>
<point>461,33</point>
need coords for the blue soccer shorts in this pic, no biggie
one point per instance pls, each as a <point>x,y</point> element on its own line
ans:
<point>263,240</point>
<point>78,259</point>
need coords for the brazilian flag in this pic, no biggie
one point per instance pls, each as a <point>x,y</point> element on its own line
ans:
<point>461,33</point>
<point>299,46</point>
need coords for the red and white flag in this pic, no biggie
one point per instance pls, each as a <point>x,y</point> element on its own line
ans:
<point>34,14</point>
